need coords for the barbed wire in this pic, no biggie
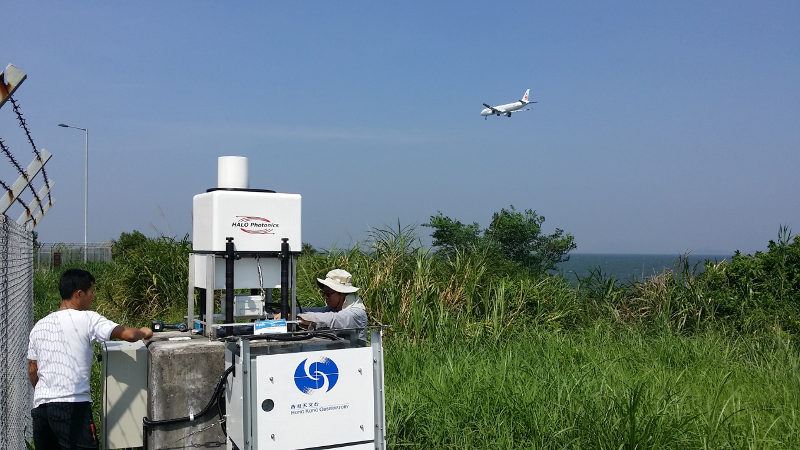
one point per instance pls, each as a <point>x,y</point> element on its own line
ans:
<point>5,186</point>
<point>24,126</point>
<point>22,172</point>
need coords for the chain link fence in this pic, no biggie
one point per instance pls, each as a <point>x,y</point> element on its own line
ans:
<point>16,321</point>
<point>50,256</point>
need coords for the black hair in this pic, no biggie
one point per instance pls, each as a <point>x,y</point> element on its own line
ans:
<point>74,280</point>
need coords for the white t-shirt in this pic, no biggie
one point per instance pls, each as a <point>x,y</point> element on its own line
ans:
<point>61,345</point>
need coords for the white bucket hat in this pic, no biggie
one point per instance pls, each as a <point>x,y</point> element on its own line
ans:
<point>339,280</point>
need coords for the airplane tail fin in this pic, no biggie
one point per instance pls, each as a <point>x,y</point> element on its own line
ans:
<point>525,97</point>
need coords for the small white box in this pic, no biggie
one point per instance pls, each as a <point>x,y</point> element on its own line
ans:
<point>245,305</point>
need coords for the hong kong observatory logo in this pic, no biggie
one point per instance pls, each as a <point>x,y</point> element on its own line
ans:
<point>316,376</point>
<point>254,225</point>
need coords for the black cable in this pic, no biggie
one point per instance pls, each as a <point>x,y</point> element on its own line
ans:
<point>222,410</point>
<point>214,399</point>
<point>290,338</point>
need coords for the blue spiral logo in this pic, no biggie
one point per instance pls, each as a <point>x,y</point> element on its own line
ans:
<point>313,377</point>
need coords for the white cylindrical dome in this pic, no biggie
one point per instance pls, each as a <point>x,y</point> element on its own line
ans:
<point>232,172</point>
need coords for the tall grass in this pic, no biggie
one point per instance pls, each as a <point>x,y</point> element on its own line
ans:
<point>753,294</point>
<point>420,292</point>
<point>45,285</point>
<point>604,388</point>
<point>406,286</point>
<point>415,290</point>
<point>148,281</point>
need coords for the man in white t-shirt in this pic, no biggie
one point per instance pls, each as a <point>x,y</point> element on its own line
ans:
<point>60,362</point>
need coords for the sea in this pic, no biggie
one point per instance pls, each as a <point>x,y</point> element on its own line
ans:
<point>627,267</point>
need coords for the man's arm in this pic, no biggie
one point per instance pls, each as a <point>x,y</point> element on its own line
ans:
<point>33,372</point>
<point>131,334</point>
<point>346,318</point>
<point>307,309</point>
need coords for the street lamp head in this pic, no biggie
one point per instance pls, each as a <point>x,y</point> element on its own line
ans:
<point>70,126</point>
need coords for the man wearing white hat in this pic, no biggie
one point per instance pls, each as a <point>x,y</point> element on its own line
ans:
<point>344,307</point>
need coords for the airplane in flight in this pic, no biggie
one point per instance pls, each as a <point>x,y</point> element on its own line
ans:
<point>507,109</point>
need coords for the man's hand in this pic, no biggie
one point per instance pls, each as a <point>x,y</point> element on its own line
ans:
<point>148,333</point>
<point>131,334</point>
<point>304,323</point>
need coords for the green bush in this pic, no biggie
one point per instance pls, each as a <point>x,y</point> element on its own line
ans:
<point>512,240</point>
<point>127,242</point>
<point>759,291</point>
<point>748,294</point>
<point>147,280</point>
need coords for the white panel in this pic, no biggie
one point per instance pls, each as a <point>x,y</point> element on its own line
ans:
<point>337,407</point>
<point>233,401</point>
<point>256,220</point>
<point>34,205</point>
<point>22,182</point>
<point>245,273</point>
<point>199,264</point>
<point>124,393</point>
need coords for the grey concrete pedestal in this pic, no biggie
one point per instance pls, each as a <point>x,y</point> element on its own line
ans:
<point>182,376</point>
<point>181,379</point>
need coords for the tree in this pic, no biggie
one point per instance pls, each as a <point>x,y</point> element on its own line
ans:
<point>513,235</point>
<point>450,235</point>
<point>520,240</point>
<point>126,243</point>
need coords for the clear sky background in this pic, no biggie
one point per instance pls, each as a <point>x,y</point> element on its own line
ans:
<point>660,127</point>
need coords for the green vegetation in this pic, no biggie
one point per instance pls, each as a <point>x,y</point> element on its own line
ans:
<point>488,351</point>
<point>604,387</point>
<point>512,237</point>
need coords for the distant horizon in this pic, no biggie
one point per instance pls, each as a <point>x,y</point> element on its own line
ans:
<point>703,252</point>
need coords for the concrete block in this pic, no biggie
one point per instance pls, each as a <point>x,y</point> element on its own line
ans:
<point>182,376</point>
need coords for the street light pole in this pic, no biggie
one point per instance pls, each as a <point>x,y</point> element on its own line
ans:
<point>85,192</point>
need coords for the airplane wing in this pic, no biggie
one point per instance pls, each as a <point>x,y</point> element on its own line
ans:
<point>494,110</point>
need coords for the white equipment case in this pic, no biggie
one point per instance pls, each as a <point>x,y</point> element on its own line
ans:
<point>285,397</point>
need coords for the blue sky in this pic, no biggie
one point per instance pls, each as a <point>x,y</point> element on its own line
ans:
<point>660,127</point>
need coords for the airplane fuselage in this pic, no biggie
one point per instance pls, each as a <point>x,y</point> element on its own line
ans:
<point>504,109</point>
